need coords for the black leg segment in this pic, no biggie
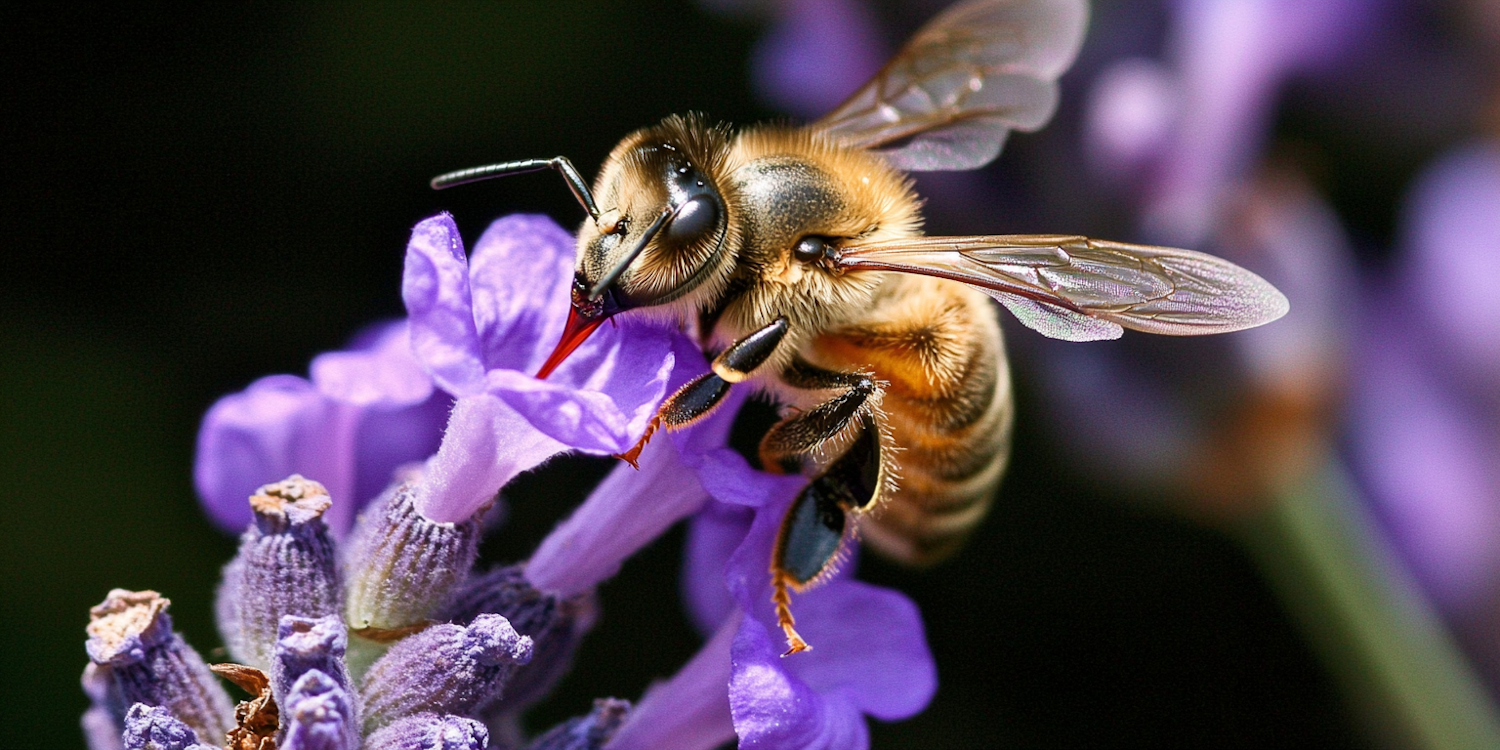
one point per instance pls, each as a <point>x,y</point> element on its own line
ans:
<point>803,433</point>
<point>693,401</point>
<point>742,357</point>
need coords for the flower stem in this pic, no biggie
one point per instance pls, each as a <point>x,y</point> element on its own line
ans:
<point>1362,611</point>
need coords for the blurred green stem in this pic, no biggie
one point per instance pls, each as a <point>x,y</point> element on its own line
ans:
<point>1319,547</point>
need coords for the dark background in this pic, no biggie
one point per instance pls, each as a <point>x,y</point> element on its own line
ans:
<point>194,198</point>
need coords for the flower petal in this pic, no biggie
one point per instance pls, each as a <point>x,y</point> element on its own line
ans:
<point>486,444</point>
<point>276,427</point>
<point>522,275</point>
<point>870,653</point>
<point>774,709</point>
<point>385,441</point>
<point>601,399</point>
<point>712,537</point>
<point>688,711</point>
<point>435,287</point>
<point>625,513</point>
<point>383,374</point>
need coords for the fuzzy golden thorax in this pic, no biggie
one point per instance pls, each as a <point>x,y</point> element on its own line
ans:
<point>789,184</point>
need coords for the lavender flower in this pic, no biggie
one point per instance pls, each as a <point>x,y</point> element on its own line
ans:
<point>482,326</point>
<point>423,649</point>
<point>363,413</point>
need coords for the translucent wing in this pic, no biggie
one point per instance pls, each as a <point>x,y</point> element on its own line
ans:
<point>1079,289</point>
<point>979,70</point>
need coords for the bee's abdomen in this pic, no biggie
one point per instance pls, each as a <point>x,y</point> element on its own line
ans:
<point>948,408</point>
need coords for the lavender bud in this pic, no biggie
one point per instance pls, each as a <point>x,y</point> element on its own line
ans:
<point>404,565</point>
<point>555,624</point>
<point>429,731</point>
<point>319,715</point>
<point>446,669</point>
<point>589,732</point>
<point>304,644</point>
<point>138,659</point>
<point>285,566</point>
<point>154,728</point>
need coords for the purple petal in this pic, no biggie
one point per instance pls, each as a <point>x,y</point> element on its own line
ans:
<point>689,711</point>
<point>713,535</point>
<point>774,709</point>
<point>521,275</point>
<point>722,471</point>
<point>869,653</point>
<point>602,397</point>
<point>1453,245</point>
<point>625,513</point>
<point>387,441</point>
<point>435,287</point>
<point>486,444</point>
<point>383,374</point>
<point>278,426</point>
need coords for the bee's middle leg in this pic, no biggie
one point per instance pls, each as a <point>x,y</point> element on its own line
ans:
<point>701,395</point>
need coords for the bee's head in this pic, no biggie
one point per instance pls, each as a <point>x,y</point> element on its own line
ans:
<point>663,234</point>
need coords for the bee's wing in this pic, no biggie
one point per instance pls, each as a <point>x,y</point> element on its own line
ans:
<point>979,70</point>
<point>1080,289</point>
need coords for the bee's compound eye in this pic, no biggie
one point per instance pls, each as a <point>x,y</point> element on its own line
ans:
<point>810,249</point>
<point>693,220</point>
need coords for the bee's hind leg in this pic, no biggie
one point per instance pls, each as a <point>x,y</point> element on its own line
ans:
<point>819,526</point>
<point>701,395</point>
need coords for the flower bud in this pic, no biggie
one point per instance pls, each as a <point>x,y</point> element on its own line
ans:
<point>429,731</point>
<point>555,625</point>
<point>404,565</point>
<point>304,644</point>
<point>154,728</point>
<point>319,715</point>
<point>136,658</point>
<point>285,566</point>
<point>446,668</point>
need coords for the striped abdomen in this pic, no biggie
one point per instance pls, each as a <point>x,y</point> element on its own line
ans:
<point>948,408</point>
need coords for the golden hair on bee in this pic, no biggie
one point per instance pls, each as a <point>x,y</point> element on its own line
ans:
<point>796,256</point>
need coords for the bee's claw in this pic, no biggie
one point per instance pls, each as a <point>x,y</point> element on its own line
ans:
<point>633,456</point>
<point>783,600</point>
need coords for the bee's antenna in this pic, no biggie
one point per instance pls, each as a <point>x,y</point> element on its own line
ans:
<point>614,273</point>
<point>561,164</point>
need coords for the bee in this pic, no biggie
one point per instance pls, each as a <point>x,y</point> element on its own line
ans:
<point>795,256</point>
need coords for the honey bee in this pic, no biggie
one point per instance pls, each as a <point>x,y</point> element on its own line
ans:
<point>796,258</point>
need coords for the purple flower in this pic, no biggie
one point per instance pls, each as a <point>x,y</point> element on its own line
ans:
<point>1195,126</point>
<point>364,412</point>
<point>1423,410</point>
<point>483,325</point>
<point>871,655</point>
<point>678,473</point>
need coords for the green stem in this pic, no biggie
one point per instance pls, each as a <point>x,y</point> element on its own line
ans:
<point>1361,610</point>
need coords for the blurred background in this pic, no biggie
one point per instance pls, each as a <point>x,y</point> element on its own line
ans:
<point>1283,537</point>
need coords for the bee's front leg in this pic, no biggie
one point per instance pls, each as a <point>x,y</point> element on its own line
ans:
<point>698,398</point>
<point>819,525</point>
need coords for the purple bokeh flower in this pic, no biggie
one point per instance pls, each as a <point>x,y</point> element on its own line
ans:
<point>363,412</point>
<point>1424,407</point>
